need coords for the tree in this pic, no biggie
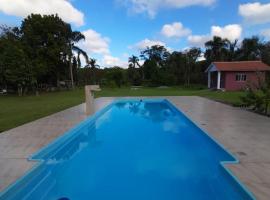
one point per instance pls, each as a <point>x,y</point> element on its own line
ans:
<point>216,49</point>
<point>93,64</point>
<point>45,47</point>
<point>192,56</point>
<point>258,98</point>
<point>14,66</point>
<point>251,49</point>
<point>48,40</point>
<point>133,61</point>
<point>176,63</point>
<point>232,50</point>
<point>115,75</point>
<point>79,53</point>
<point>156,53</point>
<point>155,59</point>
<point>266,57</point>
<point>74,37</point>
<point>135,75</point>
<point>45,40</point>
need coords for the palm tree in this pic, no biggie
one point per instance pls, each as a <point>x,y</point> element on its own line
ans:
<point>93,64</point>
<point>134,60</point>
<point>216,49</point>
<point>74,38</point>
<point>251,49</point>
<point>232,50</point>
<point>79,53</point>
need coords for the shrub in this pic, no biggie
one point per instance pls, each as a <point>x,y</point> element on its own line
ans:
<point>258,99</point>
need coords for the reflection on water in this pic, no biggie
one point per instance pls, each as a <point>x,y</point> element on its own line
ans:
<point>152,111</point>
<point>155,112</point>
<point>83,139</point>
<point>86,137</point>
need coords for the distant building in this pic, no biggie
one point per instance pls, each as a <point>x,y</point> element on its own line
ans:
<point>233,76</point>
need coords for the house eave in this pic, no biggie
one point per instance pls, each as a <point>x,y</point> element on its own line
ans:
<point>211,68</point>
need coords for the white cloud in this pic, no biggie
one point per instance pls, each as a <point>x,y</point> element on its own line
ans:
<point>175,29</point>
<point>198,40</point>
<point>151,7</point>
<point>266,33</point>
<point>111,61</point>
<point>231,32</point>
<point>255,13</point>
<point>63,8</point>
<point>201,57</point>
<point>95,43</point>
<point>147,43</point>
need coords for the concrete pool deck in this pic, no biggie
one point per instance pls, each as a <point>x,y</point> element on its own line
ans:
<point>243,133</point>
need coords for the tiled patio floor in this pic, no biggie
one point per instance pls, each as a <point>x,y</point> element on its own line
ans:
<point>245,134</point>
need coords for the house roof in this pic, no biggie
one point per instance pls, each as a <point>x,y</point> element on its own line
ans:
<point>239,66</point>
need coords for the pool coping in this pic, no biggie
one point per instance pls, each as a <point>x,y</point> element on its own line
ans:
<point>71,132</point>
<point>222,163</point>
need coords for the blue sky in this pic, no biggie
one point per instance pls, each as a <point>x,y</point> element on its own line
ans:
<point>115,29</point>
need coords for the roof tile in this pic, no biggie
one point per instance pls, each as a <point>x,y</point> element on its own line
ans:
<point>242,66</point>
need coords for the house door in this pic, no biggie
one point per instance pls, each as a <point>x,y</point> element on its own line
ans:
<point>213,79</point>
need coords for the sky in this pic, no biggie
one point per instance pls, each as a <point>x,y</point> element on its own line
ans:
<point>116,29</point>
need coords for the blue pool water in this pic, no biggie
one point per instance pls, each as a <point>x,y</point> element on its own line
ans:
<point>132,150</point>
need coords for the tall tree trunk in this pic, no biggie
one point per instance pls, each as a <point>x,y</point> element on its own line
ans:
<point>142,72</point>
<point>189,72</point>
<point>71,71</point>
<point>20,92</point>
<point>186,73</point>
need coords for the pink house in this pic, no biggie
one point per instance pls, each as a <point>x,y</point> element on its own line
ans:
<point>233,76</point>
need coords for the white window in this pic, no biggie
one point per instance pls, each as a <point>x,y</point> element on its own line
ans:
<point>241,77</point>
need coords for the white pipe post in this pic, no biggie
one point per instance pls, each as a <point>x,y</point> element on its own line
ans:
<point>218,80</point>
<point>89,100</point>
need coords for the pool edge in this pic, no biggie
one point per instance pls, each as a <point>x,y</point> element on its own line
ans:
<point>222,163</point>
<point>62,138</point>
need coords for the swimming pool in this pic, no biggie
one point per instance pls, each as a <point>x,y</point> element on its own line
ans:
<point>132,149</point>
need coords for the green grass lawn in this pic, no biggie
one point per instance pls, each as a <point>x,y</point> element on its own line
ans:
<point>15,111</point>
<point>226,97</point>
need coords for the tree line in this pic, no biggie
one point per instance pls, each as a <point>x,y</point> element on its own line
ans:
<point>156,66</point>
<point>42,54</point>
<point>186,67</point>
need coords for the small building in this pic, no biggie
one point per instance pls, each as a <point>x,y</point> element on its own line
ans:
<point>233,76</point>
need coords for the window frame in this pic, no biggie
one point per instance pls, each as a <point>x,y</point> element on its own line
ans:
<point>241,77</point>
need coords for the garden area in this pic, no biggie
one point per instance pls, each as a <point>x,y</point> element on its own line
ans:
<point>16,110</point>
